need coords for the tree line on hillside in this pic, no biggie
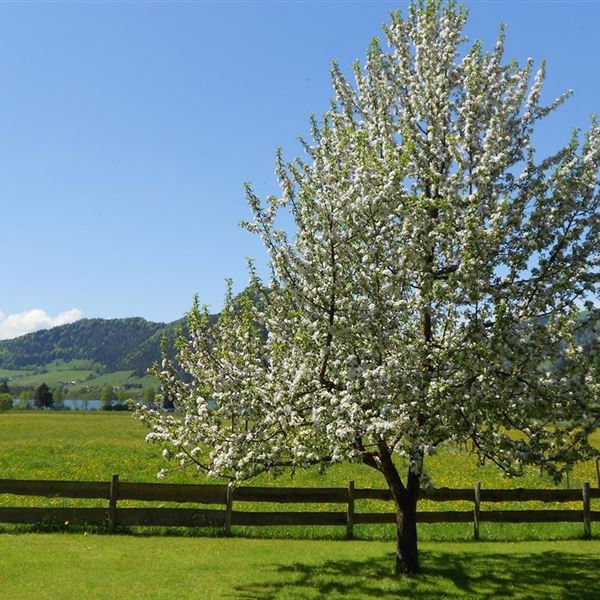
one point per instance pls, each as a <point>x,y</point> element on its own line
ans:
<point>116,344</point>
<point>112,398</point>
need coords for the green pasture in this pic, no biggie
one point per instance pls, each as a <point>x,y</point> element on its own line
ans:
<point>54,378</point>
<point>73,374</point>
<point>93,446</point>
<point>57,567</point>
<point>114,378</point>
<point>53,374</point>
<point>10,373</point>
<point>118,378</point>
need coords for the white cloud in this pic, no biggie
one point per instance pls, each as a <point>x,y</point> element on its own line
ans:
<point>12,326</point>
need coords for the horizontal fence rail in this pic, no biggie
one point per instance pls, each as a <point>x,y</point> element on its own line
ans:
<point>116,490</point>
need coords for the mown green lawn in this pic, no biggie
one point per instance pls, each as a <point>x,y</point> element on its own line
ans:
<point>59,566</point>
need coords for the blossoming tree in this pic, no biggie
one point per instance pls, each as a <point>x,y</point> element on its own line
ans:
<point>431,291</point>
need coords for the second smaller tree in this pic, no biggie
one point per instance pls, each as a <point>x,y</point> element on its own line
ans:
<point>43,397</point>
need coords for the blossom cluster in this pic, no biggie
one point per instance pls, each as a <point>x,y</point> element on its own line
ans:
<point>432,288</point>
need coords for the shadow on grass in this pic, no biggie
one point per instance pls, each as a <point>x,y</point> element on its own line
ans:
<point>550,575</point>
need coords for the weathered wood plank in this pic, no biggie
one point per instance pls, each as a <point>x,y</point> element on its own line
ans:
<point>176,517</point>
<point>446,494</point>
<point>476,510</point>
<point>173,492</point>
<point>291,495</point>
<point>350,512</point>
<point>524,495</point>
<point>531,516</point>
<point>288,518</point>
<point>453,516</point>
<point>495,516</point>
<point>217,494</point>
<point>438,494</point>
<point>55,489</point>
<point>87,516</point>
<point>587,521</point>
<point>228,510</point>
<point>371,494</point>
<point>112,503</point>
<point>594,492</point>
<point>186,517</point>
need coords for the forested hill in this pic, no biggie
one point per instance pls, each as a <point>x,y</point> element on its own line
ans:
<point>117,344</point>
<point>129,344</point>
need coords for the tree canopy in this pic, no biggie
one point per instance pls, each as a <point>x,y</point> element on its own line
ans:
<point>4,389</point>
<point>431,290</point>
<point>43,397</point>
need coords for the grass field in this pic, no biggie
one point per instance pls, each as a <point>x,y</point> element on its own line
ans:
<point>179,564</point>
<point>58,566</point>
<point>8,373</point>
<point>92,446</point>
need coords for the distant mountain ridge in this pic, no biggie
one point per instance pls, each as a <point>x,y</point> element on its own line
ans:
<point>133,344</point>
<point>117,344</point>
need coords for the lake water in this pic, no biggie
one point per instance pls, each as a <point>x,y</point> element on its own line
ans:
<point>75,404</point>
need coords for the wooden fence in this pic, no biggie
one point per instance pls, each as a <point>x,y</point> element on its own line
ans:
<point>116,490</point>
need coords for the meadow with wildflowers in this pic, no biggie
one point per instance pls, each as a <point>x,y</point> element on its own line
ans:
<point>93,446</point>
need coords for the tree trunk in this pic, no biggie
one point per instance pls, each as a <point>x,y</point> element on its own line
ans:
<point>405,498</point>
<point>407,553</point>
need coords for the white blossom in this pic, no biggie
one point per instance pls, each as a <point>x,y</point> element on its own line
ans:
<point>430,292</point>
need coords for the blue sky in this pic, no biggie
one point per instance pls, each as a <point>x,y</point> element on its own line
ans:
<point>128,129</point>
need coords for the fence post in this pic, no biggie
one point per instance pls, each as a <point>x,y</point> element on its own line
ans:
<point>112,503</point>
<point>587,521</point>
<point>228,509</point>
<point>598,471</point>
<point>476,510</point>
<point>350,512</point>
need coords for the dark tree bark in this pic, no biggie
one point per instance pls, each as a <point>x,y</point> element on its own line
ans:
<point>407,551</point>
<point>405,500</point>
